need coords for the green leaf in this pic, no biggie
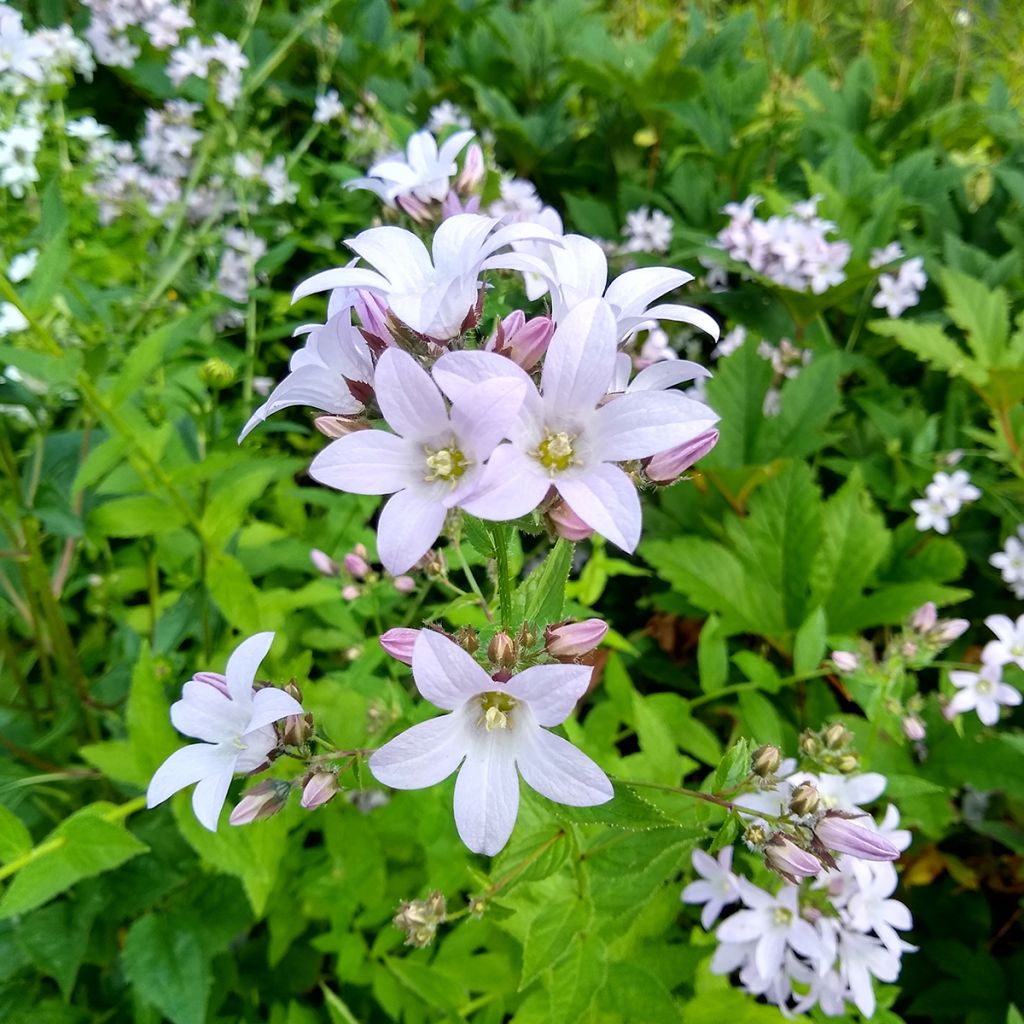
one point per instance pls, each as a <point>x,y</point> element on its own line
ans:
<point>164,960</point>
<point>138,516</point>
<point>712,656</point>
<point>56,938</point>
<point>932,346</point>
<point>809,644</point>
<point>638,995</point>
<point>424,983</point>
<point>15,838</point>
<point>550,935</point>
<point>543,591</point>
<point>982,313</point>
<point>81,846</point>
<point>736,393</point>
<point>760,718</point>
<point>808,403</point>
<point>627,809</point>
<point>574,983</point>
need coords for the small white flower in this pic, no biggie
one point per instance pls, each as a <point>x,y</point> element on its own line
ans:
<point>22,266</point>
<point>1010,561</point>
<point>716,888</point>
<point>328,108</point>
<point>1008,647</point>
<point>952,490</point>
<point>88,129</point>
<point>890,254</point>
<point>984,692</point>
<point>12,319</point>
<point>932,514</point>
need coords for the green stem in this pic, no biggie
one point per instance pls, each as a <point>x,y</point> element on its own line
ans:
<point>696,794</point>
<point>501,538</point>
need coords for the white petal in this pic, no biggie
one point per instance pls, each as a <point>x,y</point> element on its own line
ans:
<point>208,798</point>
<point>340,277</point>
<point>398,254</point>
<point>666,373</point>
<point>556,769</point>
<point>313,386</point>
<point>242,665</point>
<point>580,360</point>
<point>697,892</point>
<point>369,462</point>
<point>631,293</point>
<point>963,700</point>
<point>606,500</point>
<point>744,926</point>
<point>487,795</point>
<point>409,523</point>
<point>685,315</point>
<point>205,713</point>
<point>487,415</point>
<point>644,423</point>
<point>408,398</point>
<point>188,765</point>
<point>512,485</point>
<point>458,374</point>
<point>444,673</point>
<point>270,705</point>
<point>551,690</point>
<point>1003,627</point>
<point>1007,695</point>
<point>458,241</point>
<point>423,755</point>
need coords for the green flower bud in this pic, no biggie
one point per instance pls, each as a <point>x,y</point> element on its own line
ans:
<point>216,374</point>
<point>766,760</point>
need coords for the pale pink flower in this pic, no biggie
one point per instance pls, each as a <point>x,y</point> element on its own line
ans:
<point>574,639</point>
<point>399,643</point>
<point>844,836</point>
<point>432,461</point>
<point>493,730</point>
<point>236,728</point>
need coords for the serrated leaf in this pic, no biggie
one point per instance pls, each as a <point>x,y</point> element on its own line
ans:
<point>736,393</point>
<point>627,809</point>
<point>574,983</point>
<point>809,643</point>
<point>931,344</point>
<point>543,591</point>
<point>164,960</point>
<point>712,656</point>
<point>550,935</point>
<point>808,403</point>
<point>982,313</point>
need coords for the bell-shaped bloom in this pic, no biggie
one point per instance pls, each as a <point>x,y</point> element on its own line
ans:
<point>579,269</point>
<point>433,293</point>
<point>494,728</point>
<point>432,460</point>
<point>334,354</point>
<point>789,860</point>
<point>566,438</point>
<point>399,643</point>
<point>574,639</point>
<point>838,833</point>
<point>235,726</point>
<point>422,174</point>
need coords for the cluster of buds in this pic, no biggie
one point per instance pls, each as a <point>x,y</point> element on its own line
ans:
<point>356,564</point>
<point>830,748</point>
<point>419,919</point>
<point>933,633</point>
<point>295,730</point>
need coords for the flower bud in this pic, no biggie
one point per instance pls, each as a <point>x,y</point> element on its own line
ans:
<point>805,799</point>
<point>295,730</point>
<point>453,204</point>
<point>416,208</point>
<point>809,745</point>
<point>574,639</point>
<point>567,524</point>
<point>356,565</point>
<point>399,642</point>
<point>845,661</point>
<point>339,426</point>
<point>468,639</point>
<point>844,836</point>
<point>667,467</point>
<point>913,728</point>
<point>264,800</point>
<point>216,373</point>
<point>787,859</point>
<point>923,620</point>
<point>949,630</point>
<point>848,763</point>
<point>350,592</point>
<point>404,584</point>
<point>755,836</point>
<point>501,651</point>
<point>419,919</point>
<point>473,170</point>
<point>319,790</point>
<point>837,736</point>
<point>373,314</point>
<point>766,760</point>
<point>323,563</point>
<point>521,340</point>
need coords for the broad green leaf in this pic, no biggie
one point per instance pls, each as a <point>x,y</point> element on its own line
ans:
<point>636,994</point>
<point>138,516</point>
<point>762,721</point>
<point>164,959</point>
<point>982,313</point>
<point>627,809</point>
<point>808,403</point>
<point>551,934</point>
<point>736,393</point>
<point>712,656</point>
<point>809,644</point>
<point>56,938</point>
<point>15,838</point>
<point>543,591</point>
<point>574,983</point>
<point>81,846</point>
<point>931,344</point>
<point>424,983</point>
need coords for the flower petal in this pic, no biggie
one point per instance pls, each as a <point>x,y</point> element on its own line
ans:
<point>631,293</point>
<point>512,485</point>
<point>206,714</point>
<point>368,462</point>
<point>606,500</point>
<point>241,668</point>
<point>208,798</point>
<point>487,795</point>
<point>551,690</point>
<point>188,765</point>
<point>556,769</point>
<point>270,705</point>
<point>1003,627</point>
<point>444,673</point>
<point>580,360</point>
<point>666,373</point>
<point>423,755</point>
<point>313,386</point>
<point>409,523</point>
<point>340,277</point>
<point>486,415</point>
<point>685,315</point>
<point>644,423</point>
<point>458,241</point>
<point>408,398</point>
<point>458,374</point>
<point>397,253</point>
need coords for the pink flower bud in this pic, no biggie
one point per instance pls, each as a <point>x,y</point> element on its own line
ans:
<point>473,170</point>
<point>913,728</point>
<point>924,619</point>
<point>399,642</point>
<point>321,788</point>
<point>845,661</point>
<point>323,563</point>
<point>949,630</point>
<point>264,800</point>
<point>844,836</point>
<point>785,857</point>
<point>567,524</point>
<point>339,426</point>
<point>373,313</point>
<point>357,565</point>
<point>416,208</point>
<point>350,593</point>
<point>214,679</point>
<point>453,204</point>
<point>667,467</point>
<point>574,638</point>
<point>404,584</point>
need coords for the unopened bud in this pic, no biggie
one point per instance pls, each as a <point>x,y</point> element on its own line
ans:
<point>501,651</point>
<point>574,639</point>
<point>350,592</point>
<point>416,208</point>
<point>848,763</point>
<point>809,745</point>
<point>356,565</point>
<point>923,620</point>
<point>766,760</point>
<point>399,642</point>
<point>837,736</point>
<point>404,584</point>
<point>468,639</point>
<point>323,563</point>
<point>913,728</point>
<point>783,856</point>
<point>805,799</point>
<point>845,661</point>
<point>567,524</point>
<point>838,833</point>
<point>264,800</point>
<point>667,467</point>
<point>321,788</point>
<point>215,679</point>
<point>949,630</point>
<point>419,919</point>
<point>473,170</point>
<point>216,373</point>
<point>339,426</point>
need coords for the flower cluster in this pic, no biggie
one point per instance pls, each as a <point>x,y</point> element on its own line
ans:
<point>1010,562</point>
<point>984,691</point>
<point>647,231</point>
<point>944,497</point>
<point>898,292</point>
<point>793,251</point>
<point>787,361</point>
<point>117,26</point>
<point>223,57</point>
<point>820,938</point>
<point>357,567</point>
<point>30,60</point>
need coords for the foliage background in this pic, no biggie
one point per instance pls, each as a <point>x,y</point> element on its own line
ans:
<point>168,540</point>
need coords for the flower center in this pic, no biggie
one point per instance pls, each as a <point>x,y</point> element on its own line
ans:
<point>447,464</point>
<point>497,710</point>
<point>984,686</point>
<point>555,452</point>
<point>781,916</point>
